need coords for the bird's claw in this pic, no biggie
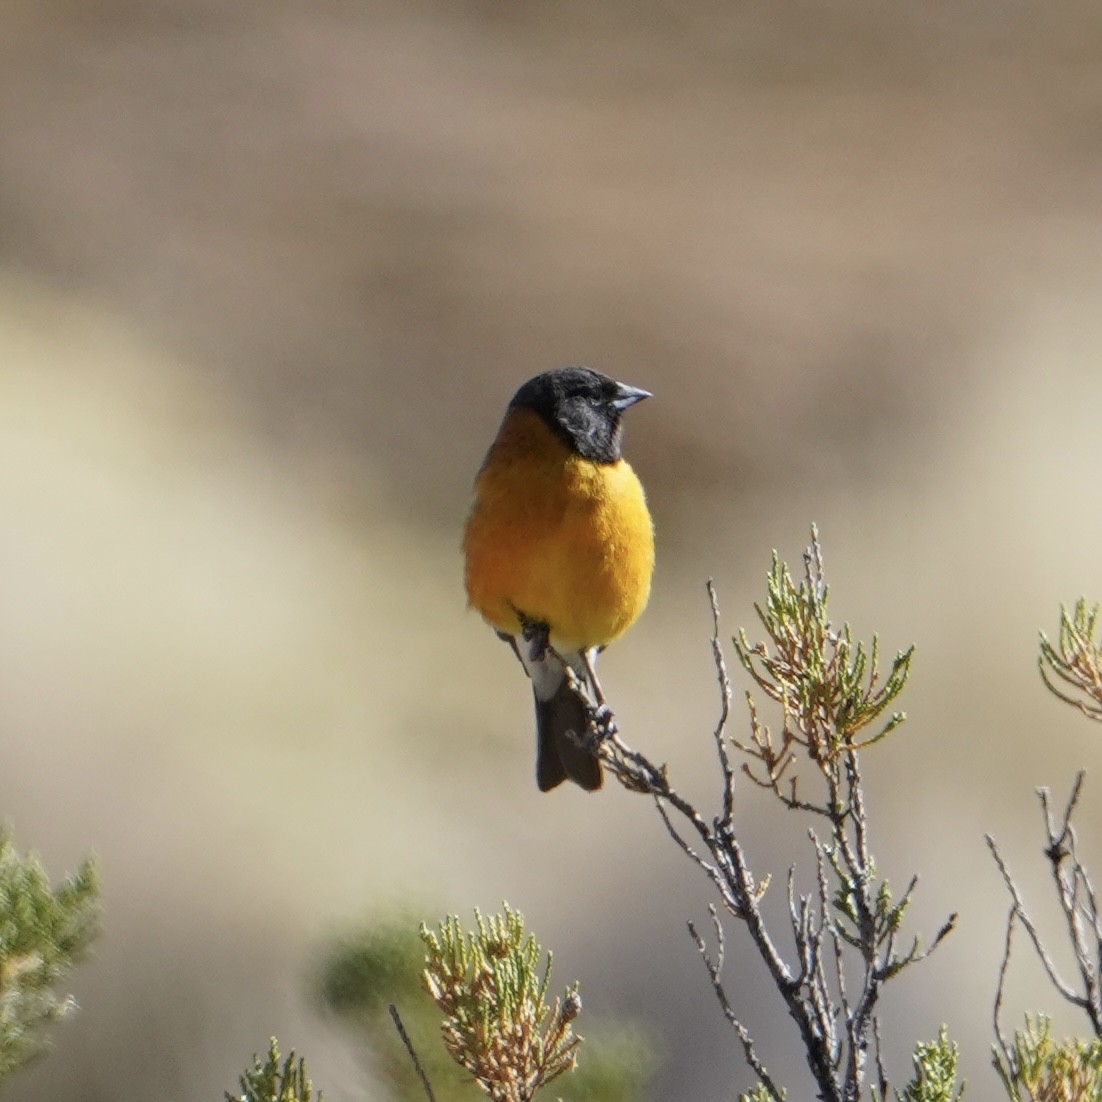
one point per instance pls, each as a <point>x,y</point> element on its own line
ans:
<point>603,722</point>
<point>536,633</point>
<point>538,638</point>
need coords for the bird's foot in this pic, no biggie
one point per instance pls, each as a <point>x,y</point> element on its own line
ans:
<point>537,634</point>
<point>602,722</point>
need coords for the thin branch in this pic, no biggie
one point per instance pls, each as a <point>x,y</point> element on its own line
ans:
<point>1059,841</point>
<point>948,926</point>
<point>1000,990</point>
<point>1064,988</point>
<point>412,1052</point>
<point>719,735</point>
<point>1070,875</point>
<point>826,1015</point>
<point>882,1083</point>
<point>714,967</point>
<point>713,873</point>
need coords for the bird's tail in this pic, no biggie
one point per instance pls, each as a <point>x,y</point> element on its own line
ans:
<point>558,756</point>
<point>560,710</point>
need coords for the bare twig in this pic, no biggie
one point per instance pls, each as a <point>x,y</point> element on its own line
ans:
<point>1000,990</point>
<point>412,1052</point>
<point>719,734</point>
<point>1065,989</point>
<point>714,966</point>
<point>1078,903</point>
<point>881,1074</point>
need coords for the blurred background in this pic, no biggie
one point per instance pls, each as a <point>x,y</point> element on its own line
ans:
<point>270,271</point>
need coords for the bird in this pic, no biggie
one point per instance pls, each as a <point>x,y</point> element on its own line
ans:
<point>559,550</point>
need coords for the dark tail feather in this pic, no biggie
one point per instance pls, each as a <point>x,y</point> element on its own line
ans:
<point>558,757</point>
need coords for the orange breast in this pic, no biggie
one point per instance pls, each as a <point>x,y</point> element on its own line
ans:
<point>557,537</point>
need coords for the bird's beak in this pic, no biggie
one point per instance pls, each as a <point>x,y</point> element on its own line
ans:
<point>628,396</point>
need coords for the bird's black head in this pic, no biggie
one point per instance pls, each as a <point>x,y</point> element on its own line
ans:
<point>582,406</point>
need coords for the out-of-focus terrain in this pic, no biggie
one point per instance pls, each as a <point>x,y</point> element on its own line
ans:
<point>269,272</point>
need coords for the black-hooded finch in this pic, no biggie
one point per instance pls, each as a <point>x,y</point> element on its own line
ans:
<point>560,549</point>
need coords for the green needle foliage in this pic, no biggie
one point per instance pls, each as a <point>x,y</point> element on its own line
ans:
<point>760,1093</point>
<point>1075,661</point>
<point>1041,1069</point>
<point>365,973</point>
<point>935,1078</point>
<point>497,1022</point>
<point>44,932</point>
<point>827,685</point>
<point>276,1080</point>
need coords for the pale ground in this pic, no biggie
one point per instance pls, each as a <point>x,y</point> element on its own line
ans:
<point>270,272</point>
